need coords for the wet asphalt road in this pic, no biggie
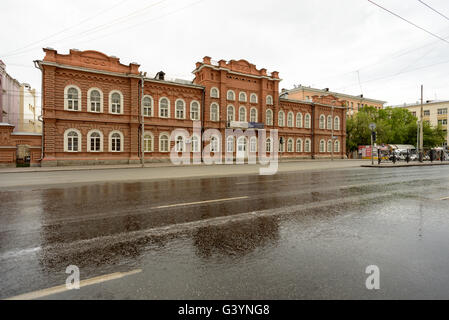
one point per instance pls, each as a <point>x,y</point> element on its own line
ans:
<point>296,235</point>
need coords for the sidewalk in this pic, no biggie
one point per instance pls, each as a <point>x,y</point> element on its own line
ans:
<point>147,165</point>
<point>405,164</point>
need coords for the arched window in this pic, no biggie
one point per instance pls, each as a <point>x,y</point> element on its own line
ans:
<point>214,93</point>
<point>298,145</point>
<point>230,95</point>
<point>269,117</point>
<point>322,121</point>
<point>322,146</point>
<point>242,97</point>
<point>148,142</point>
<point>290,145</point>
<point>290,119</point>
<point>281,145</point>
<point>214,144</point>
<point>164,143</point>
<point>337,123</point>
<point>230,113</point>
<point>242,114</point>
<point>194,110</point>
<point>329,145</point>
<point>115,141</point>
<point>269,100</point>
<point>116,102</point>
<point>164,107</point>
<point>180,109</point>
<point>337,146</point>
<point>179,144</point>
<point>95,100</point>
<point>329,122</point>
<point>253,115</point>
<point>241,144</point>
<point>195,144</point>
<point>214,112</point>
<point>230,144</point>
<point>299,120</point>
<point>268,145</point>
<point>307,145</point>
<point>281,118</point>
<point>72,140</point>
<point>72,98</point>
<point>148,106</point>
<point>307,121</point>
<point>95,141</point>
<point>253,98</point>
<point>253,144</point>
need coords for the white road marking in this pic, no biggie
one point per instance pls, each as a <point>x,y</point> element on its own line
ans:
<point>63,288</point>
<point>199,202</point>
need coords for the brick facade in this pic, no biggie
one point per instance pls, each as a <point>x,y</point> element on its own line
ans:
<point>69,121</point>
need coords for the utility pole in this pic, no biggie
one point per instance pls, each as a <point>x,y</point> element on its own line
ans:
<point>421,131</point>
<point>142,121</point>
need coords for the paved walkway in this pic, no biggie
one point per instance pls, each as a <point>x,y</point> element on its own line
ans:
<point>405,164</point>
<point>94,174</point>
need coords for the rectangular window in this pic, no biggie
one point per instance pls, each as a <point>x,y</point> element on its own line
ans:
<point>426,112</point>
<point>442,122</point>
<point>442,111</point>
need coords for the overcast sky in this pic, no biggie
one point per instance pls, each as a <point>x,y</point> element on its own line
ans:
<point>321,43</point>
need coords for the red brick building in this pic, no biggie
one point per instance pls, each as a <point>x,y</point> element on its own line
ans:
<point>92,105</point>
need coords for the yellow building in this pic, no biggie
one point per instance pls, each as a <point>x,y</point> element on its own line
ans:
<point>354,103</point>
<point>28,110</point>
<point>435,112</point>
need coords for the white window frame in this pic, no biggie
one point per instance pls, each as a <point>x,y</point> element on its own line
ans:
<point>218,112</point>
<point>329,143</point>
<point>233,95</point>
<point>299,120</point>
<point>66,98</point>
<point>290,119</point>
<point>233,113</point>
<point>122,142</point>
<point>307,121</point>
<point>253,144</point>
<point>300,149</point>
<point>308,145</point>
<point>230,141</point>
<point>152,106</point>
<point>122,107</point>
<point>145,139</point>
<point>337,123</point>
<point>66,140</point>
<point>159,108</point>
<point>268,145</point>
<point>244,94</point>
<point>183,109</point>
<point>218,93</point>
<point>251,114</point>
<point>269,100</point>
<point>89,146</point>
<point>322,122</point>
<point>180,147</point>
<point>281,118</point>
<point>214,148</point>
<point>336,146</point>
<point>197,144</point>
<point>270,122</point>
<point>244,118</point>
<point>168,142</point>
<point>290,145</point>
<point>322,146</point>
<point>251,96</point>
<point>329,122</point>
<point>199,110</point>
<point>89,101</point>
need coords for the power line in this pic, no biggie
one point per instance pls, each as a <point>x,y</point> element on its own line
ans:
<point>408,21</point>
<point>64,30</point>
<point>444,16</point>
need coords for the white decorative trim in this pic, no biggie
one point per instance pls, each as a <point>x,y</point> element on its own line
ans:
<point>66,144</point>
<point>152,105</point>
<point>89,107</point>
<point>199,109</point>
<point>88,140</point>
<point>183,106</point>
<point>121,141</point>
<point>159,108</point>
<point>218,93</point>
<point>122,107</point>
<point>66,102</point>
<point>218,111</point>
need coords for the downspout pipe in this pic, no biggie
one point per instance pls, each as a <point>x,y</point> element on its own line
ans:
<point>40,117</point>
<point>203,111</point>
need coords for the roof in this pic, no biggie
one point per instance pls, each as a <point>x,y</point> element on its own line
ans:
<point>418,104</point>
<point>340,95</point>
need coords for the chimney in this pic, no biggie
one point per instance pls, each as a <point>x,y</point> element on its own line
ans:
<point>207,60</point>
